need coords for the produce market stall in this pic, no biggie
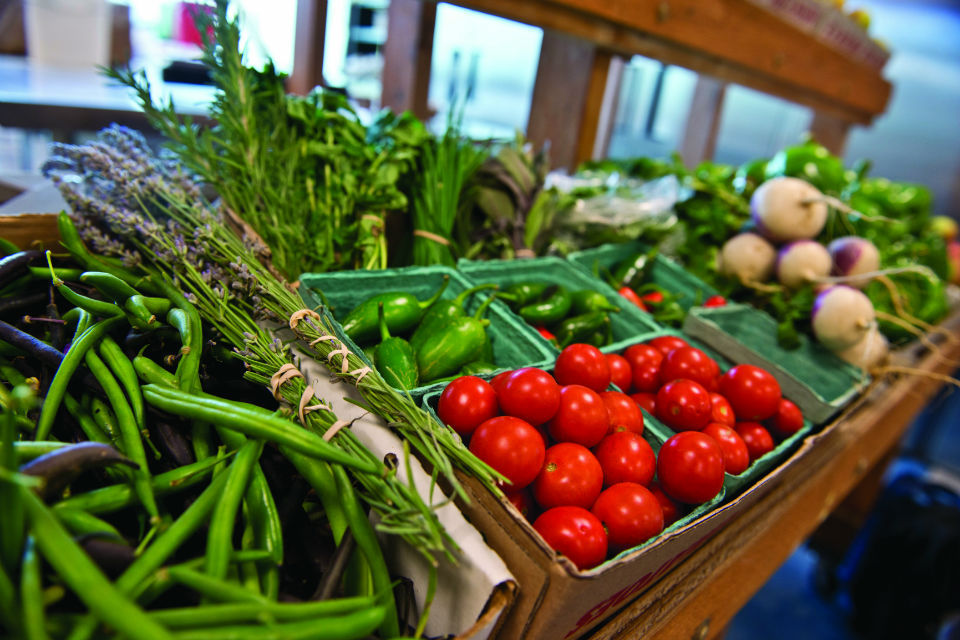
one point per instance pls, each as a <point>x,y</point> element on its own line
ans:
<point>336,333</point>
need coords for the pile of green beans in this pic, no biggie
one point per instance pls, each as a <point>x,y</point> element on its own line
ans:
<point>220,524</point>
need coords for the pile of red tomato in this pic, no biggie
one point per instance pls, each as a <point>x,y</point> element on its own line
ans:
<point>573,448</point>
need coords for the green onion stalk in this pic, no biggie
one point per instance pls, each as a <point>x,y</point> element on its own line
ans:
<point>144,209</point>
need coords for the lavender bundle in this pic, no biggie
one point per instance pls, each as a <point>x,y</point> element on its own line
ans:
<point>142,211</point>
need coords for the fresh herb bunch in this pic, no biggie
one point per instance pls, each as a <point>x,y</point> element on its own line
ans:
<point>130,203</point>
<point>511,211</point>
<point>298,169</point>
<point>439,192</point>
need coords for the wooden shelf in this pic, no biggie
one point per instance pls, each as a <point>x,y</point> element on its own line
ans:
<point>699,597</point>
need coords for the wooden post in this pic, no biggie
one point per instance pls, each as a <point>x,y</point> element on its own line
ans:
<point>699,139</point>
<point>407,55</point>
<point>608,108</point>
<point>830,131</point>
<point>308,46</point>
<point>568,96</point>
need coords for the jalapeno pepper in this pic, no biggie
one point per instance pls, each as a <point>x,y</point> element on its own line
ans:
<point>579,328</point>
<point>551,308</point>
<point>394,358</point>
<point>458,342</point>
<point>521,293</point>
<point>441,312</point>
<point>586,300</point>
<point>401,310</point>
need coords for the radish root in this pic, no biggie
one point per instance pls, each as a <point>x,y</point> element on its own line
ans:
<point>897,300</point>
<point>844,208</point>
<point>921,335</point>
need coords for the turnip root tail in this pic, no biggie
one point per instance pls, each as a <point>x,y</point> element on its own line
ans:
<point>867,275</point>
<point>921,336</point>
<point>897,300</point>
<point>892,368</point>
<point>844,208</point>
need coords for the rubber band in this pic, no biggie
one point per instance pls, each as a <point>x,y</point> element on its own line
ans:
<point>343,352</point>
<point>526,253</point>
<point>335,429</point>
<point>300,314</point>
<point>324,338</point>
<point>285,373</point>
<point>303,409</point>
<point>370,216</point>
<point>360,373</point>
<point>431,236</point>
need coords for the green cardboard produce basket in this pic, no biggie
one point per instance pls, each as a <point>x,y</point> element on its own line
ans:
<point>627,323</point>
<point>819,382</point>
<point>662,271</point>
<point>515,344</point>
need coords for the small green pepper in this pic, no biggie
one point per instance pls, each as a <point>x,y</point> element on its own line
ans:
<point>454,345</point>
<point>630,271</point>
<point>579,328</point>
<point>551,308</point>
<point>402,312</point>
<point>477,367</point>
<point>586,300</point>
<point>441,313</point>
<point>394,357</point>
<point>520,293</point>
<point>812,162</point>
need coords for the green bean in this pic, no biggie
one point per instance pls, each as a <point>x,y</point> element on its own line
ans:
<point>231,613</point>
<point>61,378</point>
<point>152,373</point>
<point>214,588</point>
<point>27,450</point>
<point>96,307</point>
<point>249,573</point>
<point>255,422</point>
<point>267,529</point>
<point>31,594</point>
<point>366,540</point>
<point>87,424</point>
<point>84,578</point>
<point>224,516</point>
<point>171,539</point>
<point>9,610</point>
<point>64,273</point>
<point>109,285</point>
<point>82,523</point>
<point>320,478</point>
<point>129,433</point>
<point>160,581</point>
<point>123,369</point>
<point>102,415</point>
<point>346,627</point>
<point>119,496</point>
<point>187,322</point>
<point>11,533</point>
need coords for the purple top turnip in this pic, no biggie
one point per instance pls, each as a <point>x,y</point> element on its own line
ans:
<point>802,261</point>
<point>854,256</point>
<point>841,317</point>
<point>786,209</point>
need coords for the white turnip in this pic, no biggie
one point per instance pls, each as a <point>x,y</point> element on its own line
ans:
<point>786,209</point>
<point>841,317</point>
<point>747,257</point>
<point>854,259</point>
<point>871,352</point>
<point>802,261</point>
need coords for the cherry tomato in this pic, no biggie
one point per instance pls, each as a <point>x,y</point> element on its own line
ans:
<point>630,514</point>
<point>715,301</point>
<point>690,363</point>
<point>497,381</point>
<point>623,414</point>
<point>666,344</point>
<point>736,456</point>
<point>757,438</point>
<point>683,405</point>
<point>543,331</point>
<point>575,533</point>
<point>626,457</point>
<point>530,394</point>
<point>583,364</point>
<point>670,507</point>
<point>690,467</point>
<point>753,393</point>
<point>654,297</point>
<point>522,500</point>
<point>646,401</point>
<point>466,402</point>
<point>511,446</point>
<point>570,475</point>
<point>620,372</point>
<point>632,296</point>
<point>581,417</point>
<point>787,420</point>
<point>644,363</point>
<point>721,411</point>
